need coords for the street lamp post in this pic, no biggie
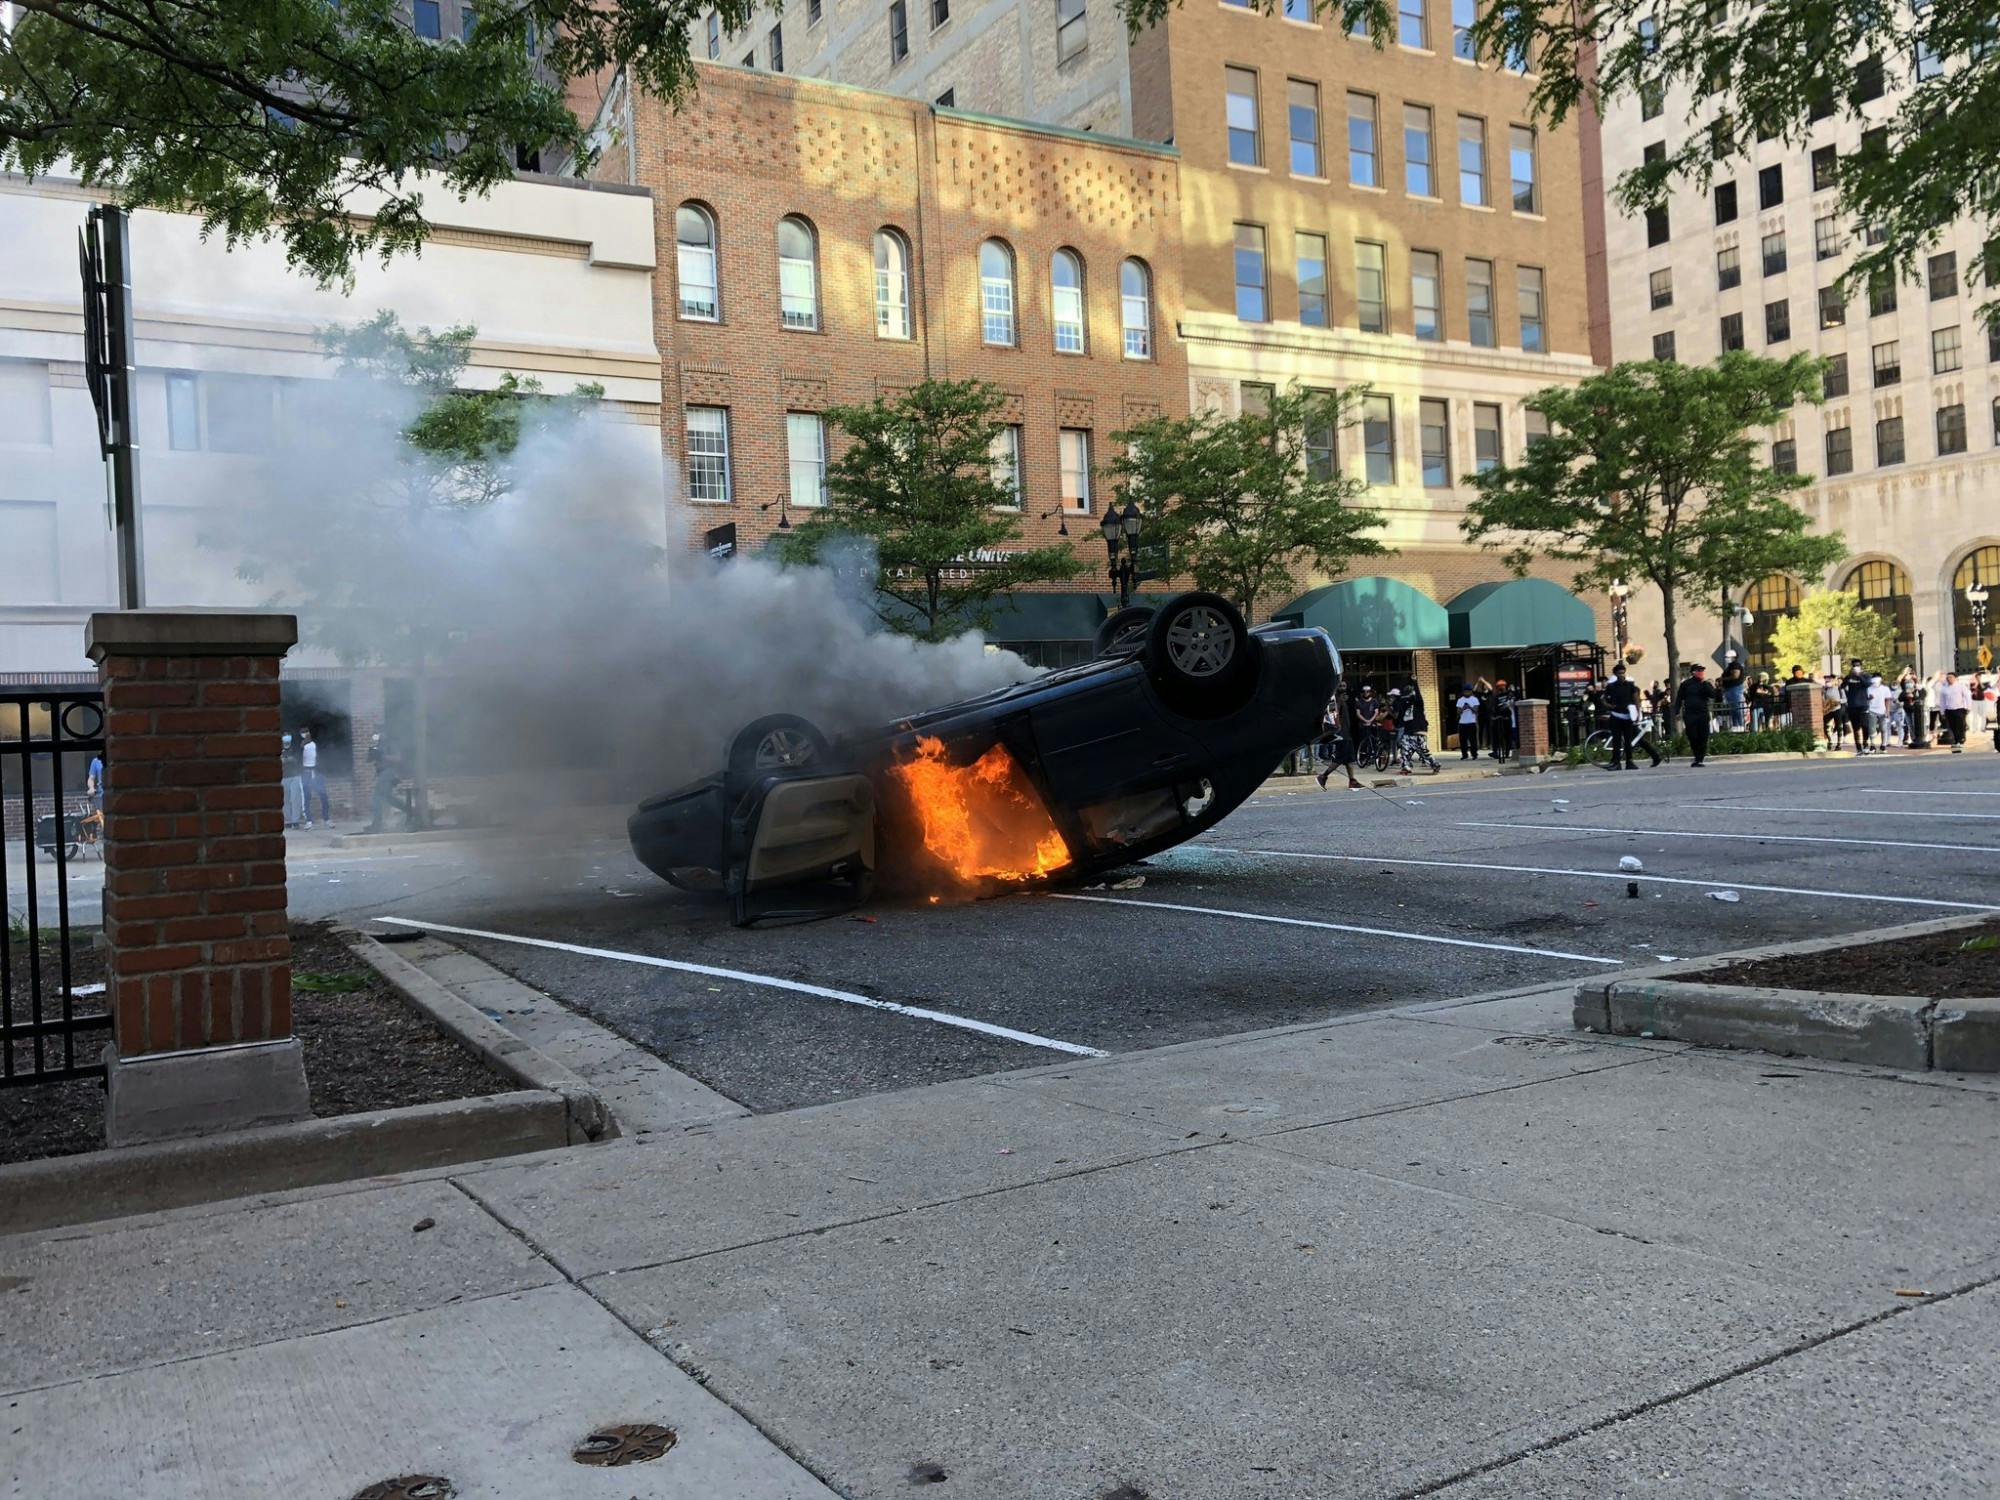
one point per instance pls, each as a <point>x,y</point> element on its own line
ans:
<point>1620,591</point>
<point>1976,595</point>
<point>1123,526</point>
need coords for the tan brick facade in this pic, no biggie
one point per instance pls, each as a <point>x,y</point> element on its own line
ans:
<point>756,148</point>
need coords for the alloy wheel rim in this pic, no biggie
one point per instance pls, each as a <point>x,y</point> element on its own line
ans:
<point>1200,642</point>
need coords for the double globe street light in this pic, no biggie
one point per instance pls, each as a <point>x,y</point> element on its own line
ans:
<point>1123,525</point>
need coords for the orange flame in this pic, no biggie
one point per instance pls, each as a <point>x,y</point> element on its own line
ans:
<point>982,821</point>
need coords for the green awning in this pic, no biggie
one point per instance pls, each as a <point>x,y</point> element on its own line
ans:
<point>1373,614</point>
<point>1028,616</point>
<point>1518,612</point>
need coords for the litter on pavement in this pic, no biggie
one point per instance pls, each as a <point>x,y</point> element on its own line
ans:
<point>1630,864</point>
<point>1724,896</point>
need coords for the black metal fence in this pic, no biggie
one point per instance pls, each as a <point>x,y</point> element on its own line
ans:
<point>51,793</point>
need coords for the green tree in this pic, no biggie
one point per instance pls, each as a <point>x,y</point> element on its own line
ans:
<point>1856,630</point>
<point>1649,473</point>
<point>918,478</point>
<point>266,117</point>
<point>1247,505</point>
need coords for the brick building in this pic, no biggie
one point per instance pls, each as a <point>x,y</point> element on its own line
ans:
<point>828,245</point>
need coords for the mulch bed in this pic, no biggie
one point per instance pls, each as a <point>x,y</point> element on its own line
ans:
<point>1937,967</point>
<point>365,1049</point>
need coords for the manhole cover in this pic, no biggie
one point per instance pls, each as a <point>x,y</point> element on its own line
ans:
<point>410,1487</point>
<point>628,1443</point>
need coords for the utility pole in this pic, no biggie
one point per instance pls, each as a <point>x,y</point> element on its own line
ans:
<point>104,253</point>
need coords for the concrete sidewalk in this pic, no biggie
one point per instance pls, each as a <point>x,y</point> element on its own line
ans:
<point>1456,1250</point>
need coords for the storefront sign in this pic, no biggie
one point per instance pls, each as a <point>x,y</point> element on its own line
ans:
<point>721,541</point>
<point>1572,684</point>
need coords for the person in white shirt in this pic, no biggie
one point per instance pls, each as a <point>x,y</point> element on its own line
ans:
<point>1880,697</point>
<point>1468,722</point>
<point>314,781</point>
<point>1954,703</point>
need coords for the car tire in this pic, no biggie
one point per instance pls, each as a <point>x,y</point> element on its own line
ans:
<point>773,745</point>
<point>1198,652</point>
<point>1124,628</point>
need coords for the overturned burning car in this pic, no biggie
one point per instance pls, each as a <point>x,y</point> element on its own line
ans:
<point>1181,715</point>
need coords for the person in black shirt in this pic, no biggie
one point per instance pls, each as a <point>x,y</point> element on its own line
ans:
<point>1501,726</point>
<point>1621,701</point>
<point>1692,703</point>
<point>1854,688</point>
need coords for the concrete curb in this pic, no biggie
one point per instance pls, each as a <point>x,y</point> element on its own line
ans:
<point>115,1183</point>
<point>1669,1002</point>
<point>590,1119</point>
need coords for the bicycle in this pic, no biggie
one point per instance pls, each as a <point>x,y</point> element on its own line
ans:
<point>1597,745</point>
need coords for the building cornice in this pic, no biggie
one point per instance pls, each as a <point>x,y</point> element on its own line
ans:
<point>1338,344</point>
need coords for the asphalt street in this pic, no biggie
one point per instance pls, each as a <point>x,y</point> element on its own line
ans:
<point>1300,907</point>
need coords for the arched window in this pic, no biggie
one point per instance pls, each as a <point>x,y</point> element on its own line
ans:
<point>1135,308</point>
<point>1066,299</point>
<point>892,285</point>
<point>996,293</point>
<point>798,274</point>
<point>1769,600</point>
<point>1973,621</point>
<point>694,232</point>
<point>1885,588</point>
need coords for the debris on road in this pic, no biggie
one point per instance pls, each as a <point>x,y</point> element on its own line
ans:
<point>1128,885</point>
<point>1560,804</point>
<point>1630,864</point>
<point>1724,896</point>
<point>422,1224</point>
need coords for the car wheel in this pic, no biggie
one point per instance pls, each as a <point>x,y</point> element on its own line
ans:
<point>1199,653</point>
<point>1124,629</point>
<point>776,742</point>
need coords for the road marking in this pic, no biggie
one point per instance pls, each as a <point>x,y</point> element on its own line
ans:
<point>1896,791</point>
<point>1865,812</point>
<point>918,1012</point>
<point>1755,838</point>
<point>1734,885</point>
<point>1387,932</point>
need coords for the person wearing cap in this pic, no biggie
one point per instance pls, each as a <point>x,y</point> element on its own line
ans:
<point>1854,689</point>
<point>1501,728</point>
<point>1692,702</point>
<point>1621,702</point>
<point>1732,689</point>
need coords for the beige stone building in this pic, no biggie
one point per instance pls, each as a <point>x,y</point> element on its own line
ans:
<point>1905,452</point>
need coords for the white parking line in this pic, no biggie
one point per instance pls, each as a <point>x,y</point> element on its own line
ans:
<point>1865,812</point>
<point>1755,838</point>
<point>1896,791</point>
<point>963,1023</point>
<point>1734,885</point>
<point>1387,932</point>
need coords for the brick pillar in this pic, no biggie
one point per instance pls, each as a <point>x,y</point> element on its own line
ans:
<point>1531,720</point>
<point>195,924</point>
<point>1442,714</point>
<point>1802,703</point>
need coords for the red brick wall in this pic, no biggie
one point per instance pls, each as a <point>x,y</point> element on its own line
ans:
<point>194,861</point>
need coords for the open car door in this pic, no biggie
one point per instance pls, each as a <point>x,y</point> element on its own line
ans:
<point>800,847</point>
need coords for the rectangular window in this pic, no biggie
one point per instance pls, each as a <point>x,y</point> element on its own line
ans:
<point>1479,303</point>
<point>708,454</point>
<point>805,450</point>
<point>1652,99</point>
<point>1658,230</point>
<point>1728,269</point>
<point>1322,459</point>
<point>899,32</point>
<point>1434,434</point>
<point>1889,441</point>
<point>1516,59</point>
<point>1881,293</point>
<point>1950,430</point>
<point>1777,322</point>
<point>1298,10</point>
<point>1521,164</point>
<point>429,21</point>
<point>1485,437</point>
<point>1371,288</point>
<point>1945,353</point>
<point>1732,331</point>
<point>1251,305</point>
<point>1528,296</point>
<point>1771,186</point>
<point>240,413</point>
<point>1774,253</point>
<point>1888,364</point>
<point>1254,398</point>
<point>184,413</point>
<point>1472,161</point>
<point>1825,168</point>
<point>1419,180</point>
<point>1378,438</point>
<point>1072,35</point>
<point>1649,36</point>
<point>1826,237</point>
<point>940,13</point>
<point>1537,425</point>
<point>1839,450</point>
<point>1302,115</point>
<point>714,36</point>
<point>1663,347</point>
<point>1868,79</point>
<point>777,49</point>
<point>1426,296</point>
<point>1004,453</point>
<point>1874,234</point>
<point>1725,203</point>
<point>1075,445</point>
<point>1464,14</point>
<point>1660,286</point>
<point>1993,342</point>
<point>1928,64</point>
<point>1362,167</point>
<point>468,22</point>
<point>1240,114</point>
<point>1309,251</point>
<point>1833,381</point>
<point>1410,29</point>
<point>1832,307</point>
<point>1943,276</point>
<point>1785,456</point>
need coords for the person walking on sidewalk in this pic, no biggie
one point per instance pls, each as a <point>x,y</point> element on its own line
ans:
<point>1621,701</point>
<point>1954,703</point>
<point>1468,722</point>
<point>1696,696</point>
<point>1335,748</point>
<point>314,782</point>
<point>1854,689</point>
<point>1881,699</point>
<point>293,779</point>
